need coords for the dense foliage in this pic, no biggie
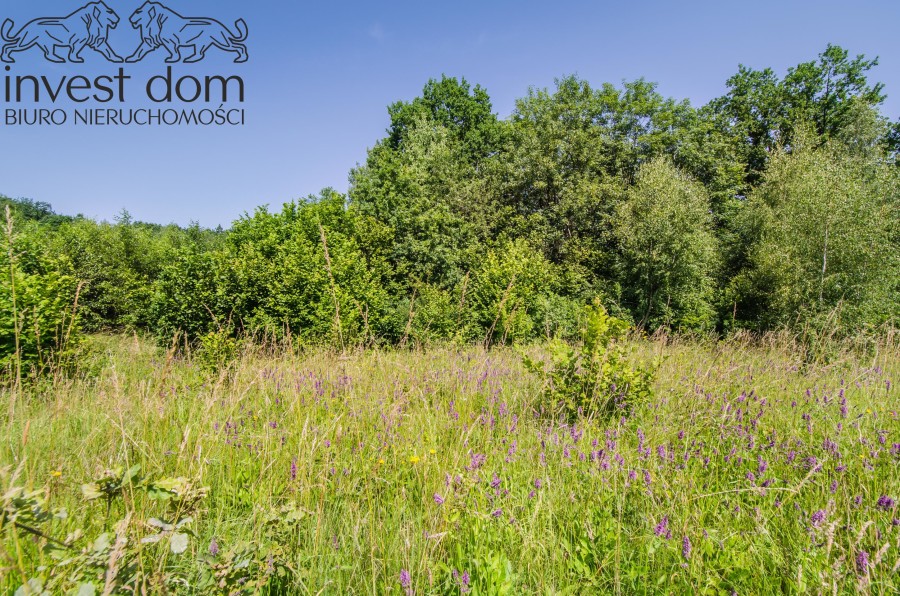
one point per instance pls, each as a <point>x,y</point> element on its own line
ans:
<point>775,205</point>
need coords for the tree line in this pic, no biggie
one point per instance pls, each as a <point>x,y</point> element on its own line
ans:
<point>773,206</point>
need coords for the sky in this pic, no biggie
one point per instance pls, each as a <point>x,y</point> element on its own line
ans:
<point>320,77</point>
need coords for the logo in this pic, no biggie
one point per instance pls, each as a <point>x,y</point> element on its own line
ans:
<point>159,27</point>
<point>86,27</point>
<point>163,27</point>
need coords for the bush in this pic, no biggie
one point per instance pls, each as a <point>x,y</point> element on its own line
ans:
<point>595,379</point>
<point>39,326</point>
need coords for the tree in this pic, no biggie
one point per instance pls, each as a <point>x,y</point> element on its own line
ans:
<point>826,252</point>
<point>669,251</point>
<point>464,111</point>
<point>763,110</point>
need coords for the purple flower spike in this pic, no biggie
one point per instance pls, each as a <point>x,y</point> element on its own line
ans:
<point>662,528</point>
<point>817,518</point>
<point>406,581</point>
<point>862,562</point>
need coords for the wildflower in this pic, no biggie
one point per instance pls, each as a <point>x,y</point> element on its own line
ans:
<point>438,499</point>
<point>538,483</point>
<point>380,461</point>
<point>56,473</point>
<point>885,502</point>
<point>432,451</point>
<point>464,583</point>
<point>497,513</point>
<point>214,547</point>
<point>817,518</point>
<point>862,561</point>
<point>662,528</point>
<point>414,459</point>
<point>294,469</point>
<point>495,483</point>
<point>686,547</point>
<point>406,581</point>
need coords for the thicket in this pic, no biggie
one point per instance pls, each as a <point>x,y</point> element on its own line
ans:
<point>774,206</point>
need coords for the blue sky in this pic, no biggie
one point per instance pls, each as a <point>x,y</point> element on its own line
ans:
<point>320,76</point>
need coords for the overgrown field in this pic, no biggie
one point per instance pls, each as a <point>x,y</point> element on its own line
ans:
<point>751,470</point>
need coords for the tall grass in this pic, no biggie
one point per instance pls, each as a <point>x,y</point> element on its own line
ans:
<point>754,469</point>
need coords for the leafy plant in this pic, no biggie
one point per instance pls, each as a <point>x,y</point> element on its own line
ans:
<point>596,378</point>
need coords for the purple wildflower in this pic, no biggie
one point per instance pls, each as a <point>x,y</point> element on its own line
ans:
<point>538,483</point>
<point>885,502</point>
<point>662,528</point>
<point>817,518</point>
<point>294,469</point>
<point>862,562</point>
<point>406,581</point>
<point>214,547</point>
<point>497,513</point>
<point>686,547</point>
<point>438,499</point>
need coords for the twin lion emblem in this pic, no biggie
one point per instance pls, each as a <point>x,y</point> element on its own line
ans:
<point>88,27</point>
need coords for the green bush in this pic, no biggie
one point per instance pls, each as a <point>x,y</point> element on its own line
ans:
<point>596,378</point>
<point>39,323</point>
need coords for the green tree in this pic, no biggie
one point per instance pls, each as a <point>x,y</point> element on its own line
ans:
<point>669,251</point>
<point>763,110</point>
<point>826,224</point>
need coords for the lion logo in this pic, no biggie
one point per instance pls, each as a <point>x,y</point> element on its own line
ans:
<point>163,27</point>
<point>87,27</point>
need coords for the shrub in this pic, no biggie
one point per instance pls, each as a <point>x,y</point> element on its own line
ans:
<point>39,327</point>
<point>596,378</point>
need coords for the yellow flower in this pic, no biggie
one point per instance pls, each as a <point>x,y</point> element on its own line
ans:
<point>414,459</point>
<point>868,410</point>
<point>56,473</point>
<point>432,451</point>
<point>380,462</point>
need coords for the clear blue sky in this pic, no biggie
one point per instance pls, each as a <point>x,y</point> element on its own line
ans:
<point>321,74</point>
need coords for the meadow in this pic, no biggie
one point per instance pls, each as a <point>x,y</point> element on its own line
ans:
<point>753,469</point>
